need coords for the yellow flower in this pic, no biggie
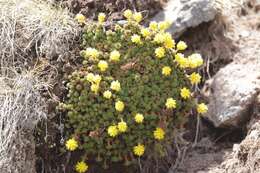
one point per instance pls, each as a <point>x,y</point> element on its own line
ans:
<point>107,94</point>
<point>81,167</point>
<point>185,93</point>
<point>195,78</point>
<point>102,65</point>
<point>92,53</point>
<point>166,70</point>
<point>153,26</point>
<point>159,38</point>
<point>119,105</point>
<point>202,108</point>
<point>168,41</point>
<point>136,39</point>
<point>101,17</point>
<point>115,85</point>
<point>94,88</point>
<point>164,25</point>
<point>159,52</point>
<point>71,144</point>
<point>128,14</point>
<point>114,55</point>
<point>97,78</point>
<point>145,32</point>
<point>112,131</point>
<point>139,150</point>
<point>158,133</point>
<point>139,118</point>
<point>122,126</point>
<point>90,77</point>
<point>170,103</point>
<point>181,60</point>
<point>181,45</point>
<point>138,17</point>
<point>80,18</point>
<point>195,60</point>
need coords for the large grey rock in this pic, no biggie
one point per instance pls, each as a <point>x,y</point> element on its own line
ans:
<point>186,13</point>
<point>232,92</point>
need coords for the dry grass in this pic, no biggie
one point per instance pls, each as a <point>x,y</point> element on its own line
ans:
<point>22,107</point>
<point>33,28</point>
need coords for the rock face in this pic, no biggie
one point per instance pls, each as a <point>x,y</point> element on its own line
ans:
<point>186,13</point>
<point>232,93</point>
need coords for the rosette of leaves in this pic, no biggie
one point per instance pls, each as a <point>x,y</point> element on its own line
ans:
<point>143,90</point>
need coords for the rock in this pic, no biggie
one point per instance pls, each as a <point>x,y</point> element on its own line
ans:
<point>186,13</point>
<point>233,91</point>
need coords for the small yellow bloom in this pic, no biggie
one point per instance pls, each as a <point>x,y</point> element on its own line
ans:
<point>166,70</point>
<point>168,41</point>
<point>115,85</point>
<point>92,53</point>
<point>107,94</point>
<point>97,79</point>
<point>122,126</point>
<point>114,55</point>
<point>195,60</point>
<point>102,65</point>
<point>119,105</point>
<point>71,144</point>
<point>80,18</point>
<point>159,52</point>
<point>128,14</point>
<point>170,103</point>
<point>101,17</point>
<point>195,78</point>
<point>202,108</point>
<point>181,60</point>
<point>136,39</point>
<point>112,131</point>
<point>159,38</point>
<point>81,167</point>
<point>185,93</point>
<point>164,25</point>
<point>145,32</point>
<point>90,77</point>
<point>153,26</point>
<point>181,45</point>
<point>139,150</point>
<point>138,17</point>
<point>139,118</point>
<point>159,133</point>
<point>94,88</point>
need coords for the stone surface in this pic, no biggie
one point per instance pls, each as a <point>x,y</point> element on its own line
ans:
<point>232,92</point>
<point>186,13</point>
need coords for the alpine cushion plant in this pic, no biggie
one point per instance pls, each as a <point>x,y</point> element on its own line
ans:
<point>131,94</point>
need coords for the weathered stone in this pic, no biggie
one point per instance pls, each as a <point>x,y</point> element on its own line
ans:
<point>186,13</point>
<point>232,92</point>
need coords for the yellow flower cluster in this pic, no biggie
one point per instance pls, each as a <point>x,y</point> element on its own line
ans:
<point>112,131</point>
<point>164,25</point>
<point>170,103</point>
<point>139,150</point>
<point>114,56</point>
<point>91,53</point>
<point>136,39</point>
<point>101,17</point>
<point>122,126</point>
<point>145,32</point>
<point>107,94</point>
<point>181,45</point>
<point>193,61</point>
<point>202,108</point>
<point>153,26</point>
<point>129,15</point>
<point>195,78</point>
<point>139,118</point>
<point>94,80</point>
<point>185,93</point>
<point>80,18</point>
<point>166,70</point>
<point>71,144</point>
<point>160,52</point>
<point>102,65</point>
<point>159,133</point>
<point>115,85</point>
<point>81,167</point>
<point>119,105</point>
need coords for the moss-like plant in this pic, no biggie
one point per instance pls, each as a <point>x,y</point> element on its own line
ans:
<point>132,92</point>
